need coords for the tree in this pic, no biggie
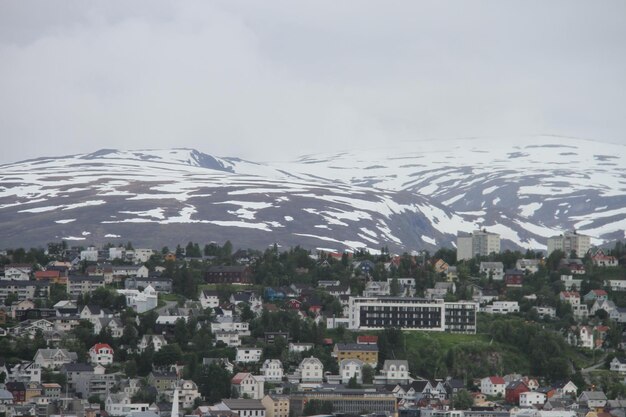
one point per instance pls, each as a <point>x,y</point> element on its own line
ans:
<point>314,407</point>
<point>394,287</point>
<point>168,355</point>
<point>368,374</point>
<point>462,400</point>
<point>352,383</point>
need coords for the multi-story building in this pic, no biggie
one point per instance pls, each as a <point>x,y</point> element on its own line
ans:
<point>79,285</point>
<point>412,314</point>
<point>24,290</point>
<point>479,242</point>
<point>276,405</point>
<point>272,370</point>
<point>347,401</point>
<point>501,307</point>
<point>248,354</point>
<point>248,386</point>
<point>568,242</point>
<point>365,353</point>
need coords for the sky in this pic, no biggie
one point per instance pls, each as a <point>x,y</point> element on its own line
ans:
<point>271,80</point>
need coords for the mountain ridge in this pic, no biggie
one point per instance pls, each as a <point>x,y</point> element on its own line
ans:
<point>405,196</point>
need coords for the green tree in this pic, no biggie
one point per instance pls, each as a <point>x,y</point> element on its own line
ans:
<point>368,374</point>
<point>462,400</point>
<point>168,355</point>
<point>394,287</point>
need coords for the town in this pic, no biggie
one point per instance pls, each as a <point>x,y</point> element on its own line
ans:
<point>213,331</point>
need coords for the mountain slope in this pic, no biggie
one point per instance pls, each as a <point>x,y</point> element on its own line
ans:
<point>408,197</point>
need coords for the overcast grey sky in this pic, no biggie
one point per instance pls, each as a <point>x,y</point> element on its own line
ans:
<point>267,80</point>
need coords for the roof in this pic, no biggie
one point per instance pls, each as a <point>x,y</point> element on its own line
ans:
<point>356,347</point>
<point>239,377</point>
<point>594,395</point>
<point>243,404</point>
<point>80,278</point>
<point>226,268</point>
<point>367,339</point>
<point>497,380</point>
<point>99,346</point>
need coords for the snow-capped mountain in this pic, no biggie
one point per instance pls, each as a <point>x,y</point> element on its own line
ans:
<point>407,196</point>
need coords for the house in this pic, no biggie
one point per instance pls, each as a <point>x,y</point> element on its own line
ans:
<point>530,265</point>
<point>94,313</point>
<point>581,336</point>
<point>602,260</point>
<point>311,370</point>
<point>300,347</point>
<point>271,337</point>
<point>101,354</point>
<point>114,325</point>
<point>531,398</point>
<point>17,390</point>
<point>565,388</point>
<point>237,274</point>
<point>606,305</point>
<point>616,284</point>
<point>141,300</point>
<point>351,368</point>
<point>365,353</point>
<point>33,290</point>
<point>272,370</point>
<point>514,278</point>
<point>493,270</point>
<point>575,266</point>
<point>367,340</point>
<point>376,289</point>
<point>440,266</point>
<point>230,324</point>
<point>276,405</point>
<point>592,399</point>
<point>618,364</point>
<point>545,311</point>
<point>229,338</point>
<point>417,390</point>
<point>453,387</point>
<point>53,276</point>
<point>160,284</point>
<point>394,372</point>
<point>54,358</point>
<point>294,304</point>
<point>162,381</point>
<point>596,295</point>
<point>187,393</point>
<point>501,307</point>
<point>570,283</point>
<point>156,342</point>
<point>17,272</point>
<point>513,390</point>
<point>121,405</point>
<point>272,294</point>
<point>209,299</point>
<point>242,407</point>
<point>247,385</point>
<point>493,386</point>
<point>248,355</point>
<point>571,297</point>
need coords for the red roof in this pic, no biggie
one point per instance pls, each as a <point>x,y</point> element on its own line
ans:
<point>327,341</point>
<point>239,377</point>
<point>367,339</point>
<point>99,346</point>
<point>497,380</point>
<point>600,292</point>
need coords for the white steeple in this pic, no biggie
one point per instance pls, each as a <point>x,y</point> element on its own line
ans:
<point>175,403</point>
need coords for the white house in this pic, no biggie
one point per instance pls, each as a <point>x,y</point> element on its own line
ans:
<point>494,270</point>
<point>209,299</point>
<point>311,370</point>
<point>121,405</point>
<point>570,283</point>
<point>89,255</point>
<point>230,324</point>
<point>54,358</point>
<point>272,370</point>
<point>141,301</point>
<point>545,311</point>
<point>501,307</point>
<point>530,265</point>
<point>248,385</point>
<point>376,289</point>
<point>616,284</point>
<point>229,338</point>
<point>15,273</point>
<point>349,368</point>
<point>248,354</point>
<point>156,341</point>
<point>493,386</point>
<point>531,398</point>
<point>395,371</point>
<point>101,354</point>
<point>141,256</point>
<point>300,347</point>
<point>592,399</point>
<point>618,364</point>
<point>187,394</point>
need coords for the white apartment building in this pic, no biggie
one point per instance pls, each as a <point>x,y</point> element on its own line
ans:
<point>272,370</point>
<point>568,242</point>
<point>479,242</point>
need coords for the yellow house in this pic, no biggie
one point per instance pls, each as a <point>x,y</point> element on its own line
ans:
<point>276,405</point>
<point>365,353</point>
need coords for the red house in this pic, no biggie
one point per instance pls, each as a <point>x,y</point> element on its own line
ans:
<point>223,274</point>
<point>513,390</point>
<point>294,304</point>
<point>18,390</point>
<point>514,278</point>
<point>367,340</point>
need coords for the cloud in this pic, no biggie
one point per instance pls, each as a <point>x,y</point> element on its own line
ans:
<point>271,80</point>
